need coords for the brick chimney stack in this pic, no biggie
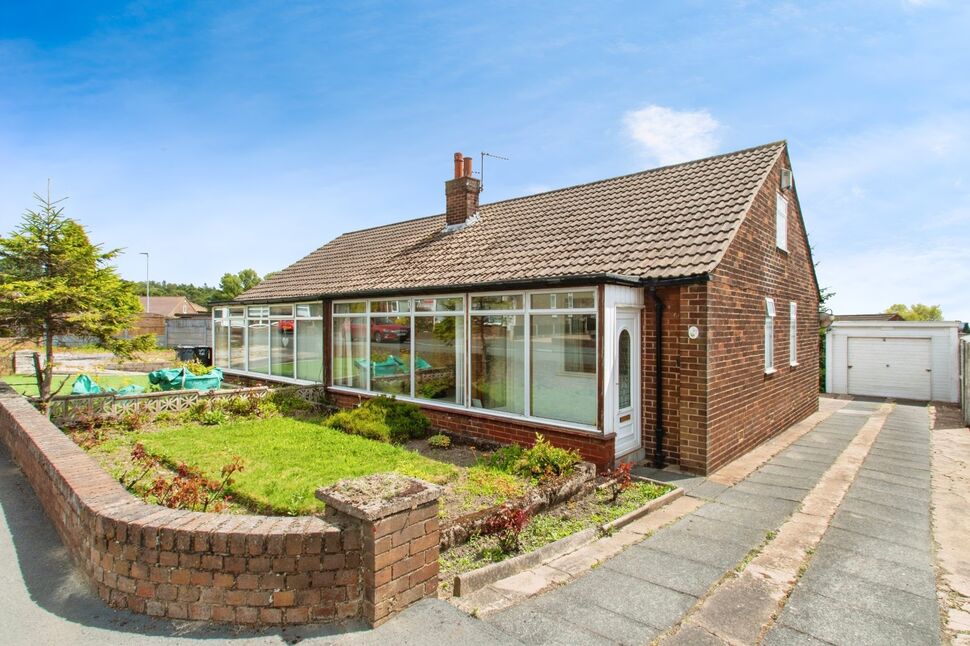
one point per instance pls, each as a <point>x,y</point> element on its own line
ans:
<point>461,193</point>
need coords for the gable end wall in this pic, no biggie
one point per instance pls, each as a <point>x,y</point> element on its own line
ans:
<point>745,406</point>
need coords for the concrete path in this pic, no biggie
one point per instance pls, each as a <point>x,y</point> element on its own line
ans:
<point>872,579</point>
<point>638,595</point>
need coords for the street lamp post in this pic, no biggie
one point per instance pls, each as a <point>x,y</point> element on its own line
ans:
<point>148,287</point>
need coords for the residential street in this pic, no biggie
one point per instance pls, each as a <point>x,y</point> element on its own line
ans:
<point>845,510</point>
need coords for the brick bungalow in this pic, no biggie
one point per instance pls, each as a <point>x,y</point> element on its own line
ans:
<point>670,314</point>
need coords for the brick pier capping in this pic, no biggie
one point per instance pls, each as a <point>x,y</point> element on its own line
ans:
<point>368,558</point>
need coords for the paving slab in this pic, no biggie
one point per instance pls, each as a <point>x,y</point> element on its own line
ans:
<point>530,626</point>
<point>894,465</point>
<point>735,498</point>
<point>785,636</point>
<point>862,494</point>
<point>628,596</point>
<point>668,570</point>
<point>898,515</point>
<point>722,554</point>
<point>839,623</point>
<point>882,529</point>
<point>892,603</point>
<point>918,494</point>
<point>598,620</point>
<point>828,559</point>
<point>696,525</point>
<point>791,480</point>
<point>708,490</point>
<point>773,491</point>
<point>763,519</point>
<point>693,635</point>
<point>730,614</point>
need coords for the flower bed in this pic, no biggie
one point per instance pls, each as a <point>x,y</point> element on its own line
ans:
<point>574,516</point>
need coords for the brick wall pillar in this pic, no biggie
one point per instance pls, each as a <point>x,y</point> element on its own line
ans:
<point>398,521</point>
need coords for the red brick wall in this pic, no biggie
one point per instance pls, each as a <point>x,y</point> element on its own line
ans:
<point>684,376</point>
<point>746,406</point>
<point>189,565</point>
<point>593,447</point>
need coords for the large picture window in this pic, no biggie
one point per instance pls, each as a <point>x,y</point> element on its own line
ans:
<point>278,340</point>
<point>558,342</point>
<point>530,354</point>
<point>498,363</point>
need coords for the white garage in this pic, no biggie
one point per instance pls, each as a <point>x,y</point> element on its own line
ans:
<point>899,359</point>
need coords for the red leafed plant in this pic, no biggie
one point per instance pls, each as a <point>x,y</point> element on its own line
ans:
<point>187,489</point>
<point>620,480</point>
<point>507,524</point>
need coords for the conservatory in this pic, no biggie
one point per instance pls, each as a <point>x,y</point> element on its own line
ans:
<point>525,354</point>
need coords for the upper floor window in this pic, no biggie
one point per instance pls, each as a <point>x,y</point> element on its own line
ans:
<point>781,223</point>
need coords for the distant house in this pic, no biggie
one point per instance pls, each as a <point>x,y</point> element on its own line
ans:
<point>670,313</point>
<point>170,306</point>
<point>167,320</point>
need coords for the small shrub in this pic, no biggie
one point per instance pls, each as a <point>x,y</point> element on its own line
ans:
<point>134,420</point>
<point>241,406</point>
<point>266,408</point>
<point>287,401</point>
<point>540,462</point>
<point>507,525</point>
<point>165,417</point>
<point>365,422</point>
<point>213,417</point>
<point>190,489</point>
<point>439,441</point>
<point>620,480</point>
<point>383,418</point>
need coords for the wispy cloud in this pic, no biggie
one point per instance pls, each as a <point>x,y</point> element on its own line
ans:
<point>672,136</point>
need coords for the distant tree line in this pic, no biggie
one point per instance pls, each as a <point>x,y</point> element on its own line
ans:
<point>230,286</point>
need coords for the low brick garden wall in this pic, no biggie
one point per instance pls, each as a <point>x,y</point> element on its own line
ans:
<point>364,561</point>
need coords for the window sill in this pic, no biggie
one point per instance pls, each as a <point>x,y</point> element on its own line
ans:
<point>793,365</point>
<point>770,371</point>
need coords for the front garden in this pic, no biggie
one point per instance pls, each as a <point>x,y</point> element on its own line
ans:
<point>269,454</point>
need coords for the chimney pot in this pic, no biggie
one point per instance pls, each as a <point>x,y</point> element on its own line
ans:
<point>461,193</point>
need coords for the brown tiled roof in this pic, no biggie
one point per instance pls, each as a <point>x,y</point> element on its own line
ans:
<point>668,222</point>
<point>170,306</point>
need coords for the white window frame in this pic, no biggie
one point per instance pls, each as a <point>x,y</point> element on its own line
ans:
<point>781,222</point>
<point>525,311</point>
<point>793,333</point>
<point>770,335</point>
<point>243,316</point>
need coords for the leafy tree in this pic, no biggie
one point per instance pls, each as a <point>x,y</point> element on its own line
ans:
<point>232,285</point>
<point>917,312</point>
<point>201,295</point>
<point>54,281</point>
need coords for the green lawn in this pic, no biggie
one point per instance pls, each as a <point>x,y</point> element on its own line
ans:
<point>286,460</point>
<point>27,385</point>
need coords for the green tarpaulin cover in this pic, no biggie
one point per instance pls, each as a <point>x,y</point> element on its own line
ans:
<point>84,385</point>
<point>182,379</point>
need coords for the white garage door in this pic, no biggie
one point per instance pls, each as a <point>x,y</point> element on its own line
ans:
<point>890,367</point>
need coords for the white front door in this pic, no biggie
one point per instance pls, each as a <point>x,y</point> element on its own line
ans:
<point>626,381</point>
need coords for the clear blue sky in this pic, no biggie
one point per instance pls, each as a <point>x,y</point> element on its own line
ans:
<point>220,136</point>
